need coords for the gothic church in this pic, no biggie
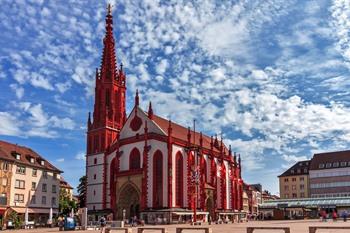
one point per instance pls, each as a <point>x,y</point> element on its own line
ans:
<point>142,164</point>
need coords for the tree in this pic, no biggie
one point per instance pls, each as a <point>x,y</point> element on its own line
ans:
<point>66,203</point>
<point>16,220</point>
<point>82,191</point>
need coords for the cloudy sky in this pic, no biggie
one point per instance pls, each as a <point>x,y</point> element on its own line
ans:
<point>271,75</point>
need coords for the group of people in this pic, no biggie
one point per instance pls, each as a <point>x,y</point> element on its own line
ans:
<point>324,215</point>
<point>133,221</point>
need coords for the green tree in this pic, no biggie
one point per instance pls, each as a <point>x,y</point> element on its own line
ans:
<point>82,191</point>
<point>66,204</point>
<point>17,222</point>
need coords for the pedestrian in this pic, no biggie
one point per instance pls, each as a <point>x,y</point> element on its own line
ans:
<point>334,216</point>
<point>135,221</point>
<point>60,223</point>
<point>344,215</point>
<point>324,216</point>
<point>102,224</point>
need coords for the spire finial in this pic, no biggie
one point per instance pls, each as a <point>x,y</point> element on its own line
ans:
<point>170,129</point>
<point>137,98</point>
<point>109,9</point>
<point>150,111</point>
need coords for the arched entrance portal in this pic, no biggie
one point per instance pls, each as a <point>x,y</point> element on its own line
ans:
<point>210,207</point>
<point>128,200</point>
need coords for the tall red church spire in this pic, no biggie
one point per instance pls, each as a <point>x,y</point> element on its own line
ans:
<point>109,108</point>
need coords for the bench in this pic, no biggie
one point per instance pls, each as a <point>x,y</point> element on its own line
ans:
<point>141,229</point>
<point>314,228</point>
<point>206,229</point>
<point>251,229</point>
<point>115,229</point>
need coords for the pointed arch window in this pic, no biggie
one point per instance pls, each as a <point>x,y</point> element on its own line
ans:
<point>179,179</point>
<point>107,98</point>
<point>158,179</point>
<point>204,176</point>
<point>134,159</point>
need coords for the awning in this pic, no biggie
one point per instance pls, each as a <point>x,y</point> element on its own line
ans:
<point>231,213</point>
<point>22,210</point>
<point>2,211</point>
<point>191,213</point>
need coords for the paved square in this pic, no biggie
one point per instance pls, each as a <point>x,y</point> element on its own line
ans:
<point>297,226</point>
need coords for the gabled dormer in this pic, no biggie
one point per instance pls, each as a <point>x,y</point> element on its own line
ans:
<point>16,155</point>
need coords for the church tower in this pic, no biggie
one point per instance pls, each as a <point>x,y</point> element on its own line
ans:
<point>109,108</point>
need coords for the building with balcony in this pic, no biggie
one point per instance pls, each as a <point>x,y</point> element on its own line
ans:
<point>32,183</point>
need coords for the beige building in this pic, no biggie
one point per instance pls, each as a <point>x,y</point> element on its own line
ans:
<point>5,186</point>
<point>294,183</point>
<point>66,188</point>
<point>245,201</point>
<point>33,183</point>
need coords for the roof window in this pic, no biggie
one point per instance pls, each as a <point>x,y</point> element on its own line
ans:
<point>328,165</point>
<point>343,164</point>
<point>336,164</point>
<point>18,156</point>
<point>32,160</point>
<point>42,162</point>
<point>321,165</point>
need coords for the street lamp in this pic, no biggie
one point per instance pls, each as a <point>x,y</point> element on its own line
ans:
<point>124,213</point>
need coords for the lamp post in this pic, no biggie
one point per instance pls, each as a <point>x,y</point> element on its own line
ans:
<point>124,213</point>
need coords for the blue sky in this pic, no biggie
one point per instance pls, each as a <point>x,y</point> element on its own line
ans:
<point>272,76</point>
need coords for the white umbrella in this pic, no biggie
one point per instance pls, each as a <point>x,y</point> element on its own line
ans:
<point>50,216</point>
<point>72,213</point>
<point>26,217</point>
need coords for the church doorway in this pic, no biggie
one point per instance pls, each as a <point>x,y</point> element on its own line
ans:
<point>128,202</point>
<point>210,208</point>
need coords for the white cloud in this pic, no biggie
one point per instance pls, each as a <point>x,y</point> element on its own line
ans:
<point>63,87</point>
<point>162,66</point>
<point>18,90</point>
<point>80,155</point>
<point>64,123</point>
<point>341,17</point>
<point>33,121</point>
<point>9,124</point>
<point>293,158</point>
<point>60,160</point>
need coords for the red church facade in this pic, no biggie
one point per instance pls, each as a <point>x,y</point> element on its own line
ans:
<point>148,166</point>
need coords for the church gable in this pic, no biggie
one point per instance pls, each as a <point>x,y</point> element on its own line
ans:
<point>135,124</point>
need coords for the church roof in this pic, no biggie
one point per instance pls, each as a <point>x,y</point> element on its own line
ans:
<point>8,151</point>
<point>180,132</point>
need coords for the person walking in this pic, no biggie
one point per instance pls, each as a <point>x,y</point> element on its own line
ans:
<point>334,216</point>
<point>324,216</point>
<point>344,215</point>
<point>102,224</point>
<point>135,221</point>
